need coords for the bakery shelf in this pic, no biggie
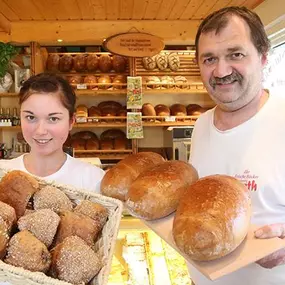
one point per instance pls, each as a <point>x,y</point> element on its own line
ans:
<point>164,91</point>
<point>9,94</point>
<point>104,156</point>
<point>168,124</point>
<point>99,125</point>
<point>10,128</point>
<point>97,92</point>
<point>168,121</point>
<point>103,151</point>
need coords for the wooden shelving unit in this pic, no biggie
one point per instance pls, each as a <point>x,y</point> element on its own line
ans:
<point>9,94</point>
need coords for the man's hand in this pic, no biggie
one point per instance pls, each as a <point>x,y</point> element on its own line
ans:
<point>278,257</point>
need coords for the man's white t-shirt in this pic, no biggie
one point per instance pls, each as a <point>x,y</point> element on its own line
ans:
<point>73,172</point>
<point>254,153</point>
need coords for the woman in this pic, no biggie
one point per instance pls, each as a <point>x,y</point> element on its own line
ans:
<point>47,104</point>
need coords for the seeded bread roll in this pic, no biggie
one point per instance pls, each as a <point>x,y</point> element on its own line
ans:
<point>53,62</point>
<point>119,63</point>
<point>77,224</point>
<point>92,62</point>
<point>149,63</point>
<point>74,261</point>
<point>26,251</point>
<point>105,63</point>
<point>91,81</point>
<point>162,110</point>
<point>161,61</point>
<point>105,80</point>
<point>16,189</point>
<point>8,214</point>
<point>212,217</point>
<point>157,191</point>
<point>148,110</point>
<point>4,238</point>
<point>153,82</point>
<point>93,210</point>
<point>117,180</point>
<point>42,224</point>
<point>66,63</point>
<point>52,198</point>
<point>119,79</point>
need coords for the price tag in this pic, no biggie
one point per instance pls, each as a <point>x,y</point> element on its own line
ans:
<point>81,119</point>
<point>170,119</point>
<point>81,86</point>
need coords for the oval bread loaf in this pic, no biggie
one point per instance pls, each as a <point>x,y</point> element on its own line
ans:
<point>212,218</point>
<point>117,180</point>
<point>161,61</point>
<point>157,191</point>
<point>149,63</point>
<point>173,61</point>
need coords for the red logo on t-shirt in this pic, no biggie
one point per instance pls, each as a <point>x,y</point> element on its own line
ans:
<point>248,179</point>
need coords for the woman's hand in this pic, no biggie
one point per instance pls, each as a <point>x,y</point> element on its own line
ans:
<point>278,257</point>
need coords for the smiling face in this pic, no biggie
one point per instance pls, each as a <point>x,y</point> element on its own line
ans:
<point>230,65</point>
<point>45,123</point>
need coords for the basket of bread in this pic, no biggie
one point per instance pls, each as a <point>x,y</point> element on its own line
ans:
<point>54,234</point>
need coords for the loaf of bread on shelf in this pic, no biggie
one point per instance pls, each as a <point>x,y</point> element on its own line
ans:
<point>93,210</point>
<point>148,110</point>
<point>149,63</point>
<point>42,224</point>
<point>74,261</point>
<point>110,104</point>
<point>112,134</point>
<point>105,82</point>
<point>79,62</point>
<point>26,251</point>
<point>66,63</point>
<point>74,80</point>
<point>94,111</point>
<point>173,61</point>
<point>105,63</point>
<point>119,79</point>
<point>4,238</point>
<point>77,224</point>
<point>78,143</point>
<point>153,82</point>
<point>168,81</point>
<point>212,217</point>
<point>162,110</point>
<point>178,110</point>
<point>181,82</point>
<point>106,144</point>
<point>92,144</point>
<point>53,62</point>
<point>81,111</point>
<point>86,135</point>
<point>118,179</point>
<point>122,112</point>
<point>120,143</point>
<point>195,110</point>
<point>16,189</point>
<point>157,191</point>
<point>161,61</point>
<point>119,63</point>
<point>8,214</point>
<point>52,198</point>
<point>92,62</point>
<point>91,81</point>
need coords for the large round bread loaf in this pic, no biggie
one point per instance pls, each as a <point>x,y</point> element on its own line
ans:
<point>92,62</point>
<point>148,110</point>
<point>212,218</point>
<point>66,63</point>
<point>117,180</point>
<point>178,110</point>
<point>157,191</point>
<point>53,62</point>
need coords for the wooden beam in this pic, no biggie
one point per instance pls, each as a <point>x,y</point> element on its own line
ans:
<point>5,24</point>
<point>93,32</point>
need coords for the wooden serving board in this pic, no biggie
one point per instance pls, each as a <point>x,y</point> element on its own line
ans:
<point>251,250</point>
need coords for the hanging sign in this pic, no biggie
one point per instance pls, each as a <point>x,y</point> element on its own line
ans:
<point>134,44</point>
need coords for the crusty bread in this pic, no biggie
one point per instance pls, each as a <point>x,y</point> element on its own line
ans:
<point>16,189</point>
<point>41,223</point>
<point>162,110</point>
<point>178,110</point>
<point>77,224</point>
<point>4,238</point>
<point>26,251</point>
<point>148,110</point>
<point>8,214</point>
<point>212,218</point>
<point>117,180</point>
<point>157,191</point>
<point>52,198</point>
<point>74,261</point>
<point>93,210</point>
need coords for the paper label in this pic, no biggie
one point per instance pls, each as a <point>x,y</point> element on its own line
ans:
<point>81,86</point>
<point>134,125</point>
<point>134,92</point>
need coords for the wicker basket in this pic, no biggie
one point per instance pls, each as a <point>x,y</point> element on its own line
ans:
<point>104,246</point>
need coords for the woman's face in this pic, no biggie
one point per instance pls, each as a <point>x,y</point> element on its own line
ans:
<point>45,123</point>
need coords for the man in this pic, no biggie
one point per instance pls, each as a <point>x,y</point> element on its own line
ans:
<point>243,136</point>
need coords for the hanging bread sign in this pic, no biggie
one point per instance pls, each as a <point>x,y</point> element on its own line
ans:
<point>134,44</point>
